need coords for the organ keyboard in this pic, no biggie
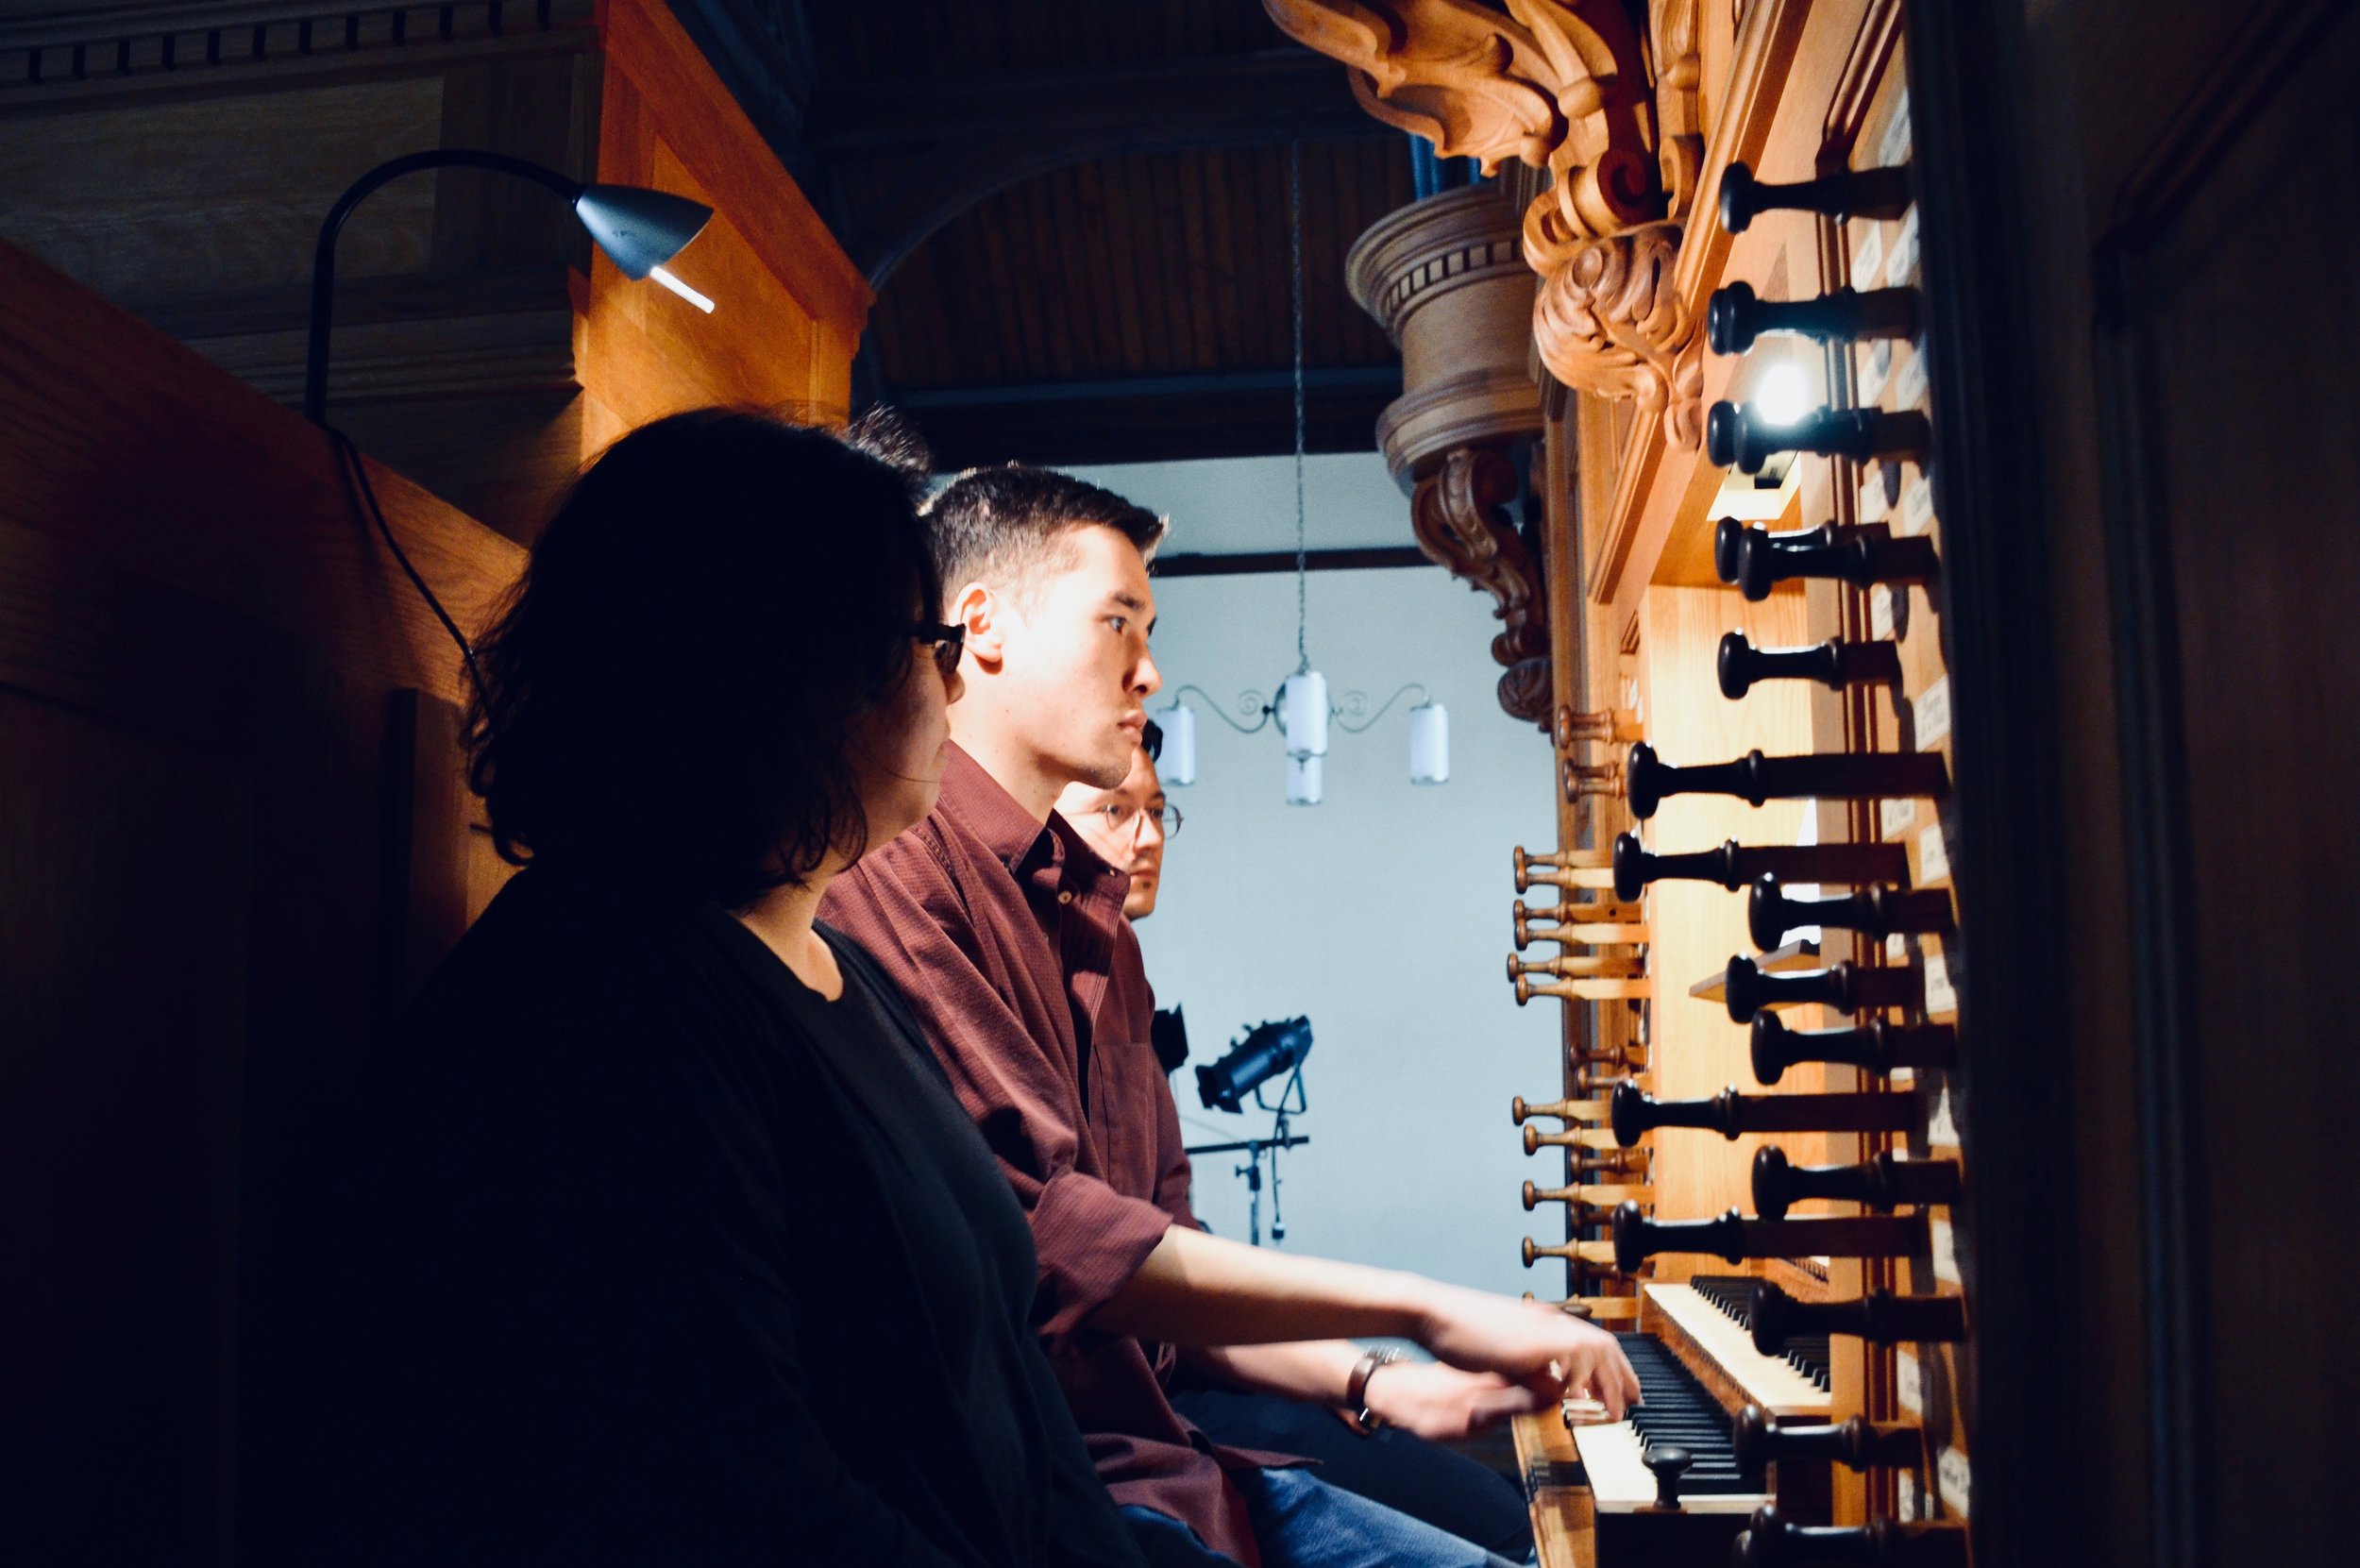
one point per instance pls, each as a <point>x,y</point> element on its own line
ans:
<point>1674,1408</point>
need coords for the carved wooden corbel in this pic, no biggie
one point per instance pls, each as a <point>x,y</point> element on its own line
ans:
<point>1569,86</point>
<point>1460,515</point>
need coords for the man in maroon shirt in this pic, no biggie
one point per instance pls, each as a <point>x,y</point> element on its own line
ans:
<point>1287,1397</point>
<point>1006,934</point>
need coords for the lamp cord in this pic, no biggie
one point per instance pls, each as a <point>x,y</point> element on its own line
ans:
<point>1294,245</point>
<point>354,469</point>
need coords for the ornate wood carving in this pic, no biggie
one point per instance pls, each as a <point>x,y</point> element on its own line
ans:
<point>1568,86</point>
<point>1459,515</point>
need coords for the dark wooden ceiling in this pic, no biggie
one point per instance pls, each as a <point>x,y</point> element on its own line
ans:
<point>1076,211</point>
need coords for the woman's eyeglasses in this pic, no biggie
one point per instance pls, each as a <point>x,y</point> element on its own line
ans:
<point>947,642</point>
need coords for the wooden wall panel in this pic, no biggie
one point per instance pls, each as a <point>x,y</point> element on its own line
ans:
<point>770,263</point>
<point>205,905</point>
<point>1694,1050</point>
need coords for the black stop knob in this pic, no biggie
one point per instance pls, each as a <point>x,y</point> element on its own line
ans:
<point>1669,1462</point>
<point>1878,912</point>
<point>1834,663</point>
<point>1861,555</point>
<point>1878,1046</point>
<point>1882,193</point>
<point>1734,318</point>
<point>1740,436</point>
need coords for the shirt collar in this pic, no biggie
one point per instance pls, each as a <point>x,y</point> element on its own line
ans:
<point>976,802</point>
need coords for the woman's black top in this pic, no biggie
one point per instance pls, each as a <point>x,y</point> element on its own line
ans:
<point>648,1253</point>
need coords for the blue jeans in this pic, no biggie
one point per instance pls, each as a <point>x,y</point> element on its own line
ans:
<point>1301,1522</point>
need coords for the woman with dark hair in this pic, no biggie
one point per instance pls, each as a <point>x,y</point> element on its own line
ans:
<point>661,1238</point>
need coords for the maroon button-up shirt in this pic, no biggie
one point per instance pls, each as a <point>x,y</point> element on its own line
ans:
<point>1009,937</point>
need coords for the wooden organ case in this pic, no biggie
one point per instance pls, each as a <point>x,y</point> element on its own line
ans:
<point>1758,1148</point>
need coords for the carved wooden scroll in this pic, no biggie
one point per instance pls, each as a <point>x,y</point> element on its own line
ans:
<point>1459,513</point>
<point>1569,86</point>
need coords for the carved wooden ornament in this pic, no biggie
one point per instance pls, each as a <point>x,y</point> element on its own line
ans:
<point>1459,515</point>
<point>1568,86</point>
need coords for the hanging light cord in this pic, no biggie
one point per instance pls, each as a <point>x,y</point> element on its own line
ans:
<point>1295,239</point>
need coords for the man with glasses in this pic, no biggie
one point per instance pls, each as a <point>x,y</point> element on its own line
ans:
<point>1226,1391</point>
<point>1128,824</point>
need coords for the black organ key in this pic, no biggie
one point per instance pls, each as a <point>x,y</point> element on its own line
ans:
<point>1734,317</point>
<point>1735,1238</point>
<point>1880,1317</point>
<point>1633,1112</point>
<point>1882,193</point>
<point>1876,1046</point>
<point>1741,437</point>
<point>1813,776</point>
<point>1734,865</point>
<point>1770,1542</point>
<point>1882,1182</point>
<point>1878,912</point>
<point>1858,1443</point>
<point>1748,988</point>
<point>1834,663</point>
<point>1755,560</point>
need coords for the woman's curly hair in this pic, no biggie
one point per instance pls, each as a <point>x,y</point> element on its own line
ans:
<point>668,693</point>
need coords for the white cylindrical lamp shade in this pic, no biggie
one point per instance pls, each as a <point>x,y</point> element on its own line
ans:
<point>1430,744</point>
<point>1303,713</point>
<point>1178,766</point>
<point>1303,780</point>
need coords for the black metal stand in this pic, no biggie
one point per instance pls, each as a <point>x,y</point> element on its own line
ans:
<point>1257,1149</point>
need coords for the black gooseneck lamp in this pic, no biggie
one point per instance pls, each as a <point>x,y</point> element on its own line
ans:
<point>638,228</point>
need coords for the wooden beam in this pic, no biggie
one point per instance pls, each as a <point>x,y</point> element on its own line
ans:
<point>1245,563</point>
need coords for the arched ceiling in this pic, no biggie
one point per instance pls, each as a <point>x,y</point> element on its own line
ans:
<point>1076,213</point>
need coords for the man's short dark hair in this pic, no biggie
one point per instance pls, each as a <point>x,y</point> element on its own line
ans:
<point>1152,741</point>
<point>666,694</point>
<point>1004,523</point>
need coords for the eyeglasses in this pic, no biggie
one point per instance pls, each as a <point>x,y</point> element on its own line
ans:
<point>1123,822</point>
<point>948,641</point>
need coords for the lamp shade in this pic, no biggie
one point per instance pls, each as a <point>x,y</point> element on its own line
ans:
<point>640,229</point>
<point>1179,763</point>
<point>1303,713</point>
<point>1430,744</point>
<point>1304,779</point>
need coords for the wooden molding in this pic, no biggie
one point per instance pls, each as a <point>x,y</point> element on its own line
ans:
<point>1655,471</point>
<point>1443,277</point>
<point>1460,516</point>
<point>66,60</point>
<point>1570,87</point>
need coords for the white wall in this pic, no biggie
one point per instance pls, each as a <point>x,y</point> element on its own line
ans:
<point>1239,505</point>
<point>1382,913</point>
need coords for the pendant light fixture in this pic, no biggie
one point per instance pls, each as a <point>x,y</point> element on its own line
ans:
<point>1301,709</point>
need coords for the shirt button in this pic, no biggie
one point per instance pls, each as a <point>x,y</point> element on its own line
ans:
<point>1065,897</point>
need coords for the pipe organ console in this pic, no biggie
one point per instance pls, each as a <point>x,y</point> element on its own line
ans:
<point>1745,599</point>
<point>1791,358</point>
